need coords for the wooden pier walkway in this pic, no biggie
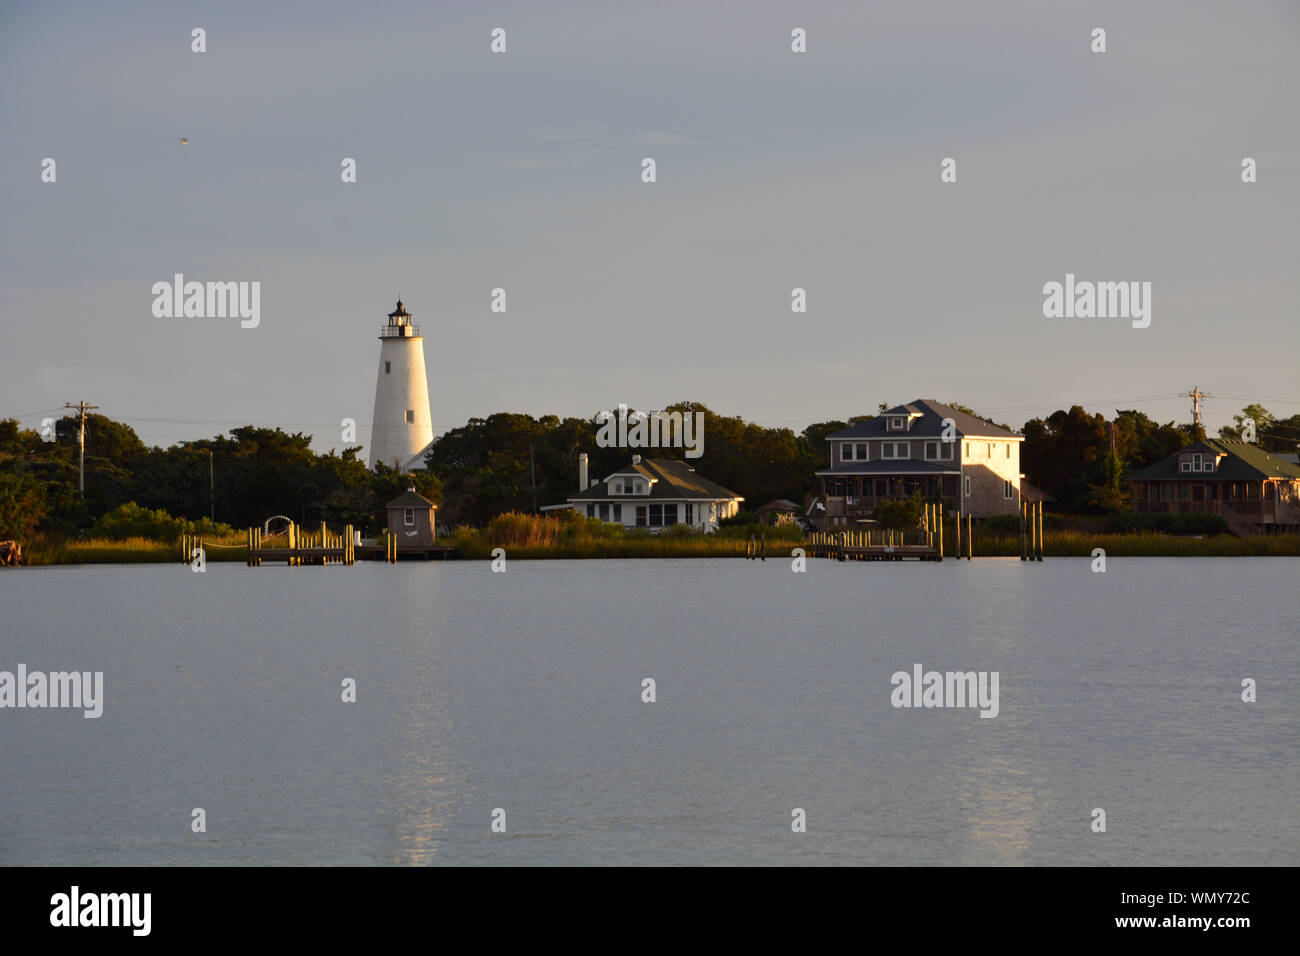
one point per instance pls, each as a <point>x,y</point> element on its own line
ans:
<point>868,546</point>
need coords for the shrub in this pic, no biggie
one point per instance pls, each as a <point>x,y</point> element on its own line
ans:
<point>132,521</point>
<point>739,519</point>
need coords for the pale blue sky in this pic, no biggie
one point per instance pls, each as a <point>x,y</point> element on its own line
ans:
<point>522,170</point>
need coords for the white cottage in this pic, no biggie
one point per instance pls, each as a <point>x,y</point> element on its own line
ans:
<point>653,494</point>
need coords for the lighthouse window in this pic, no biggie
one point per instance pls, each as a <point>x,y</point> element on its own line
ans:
<point>388,367</point>
<point>408,516</point>
<point>410,416</point>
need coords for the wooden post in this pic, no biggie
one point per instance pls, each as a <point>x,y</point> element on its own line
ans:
<point>970,544</point>
<point>1039,506</point>
<point>958,548</point>
<point>938,520</point>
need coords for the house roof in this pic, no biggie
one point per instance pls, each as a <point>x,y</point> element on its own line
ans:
<point>779,504</point>
<point>1030,493</point>
<point>1243,461</point>
<point>892,466</point>
<point>669,479</point>
<point>930,424</point>
<point>410,499</point>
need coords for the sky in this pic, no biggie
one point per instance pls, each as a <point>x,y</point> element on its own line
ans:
<point>522,170</point>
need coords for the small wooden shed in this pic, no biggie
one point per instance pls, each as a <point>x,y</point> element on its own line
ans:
<point>411,519</point>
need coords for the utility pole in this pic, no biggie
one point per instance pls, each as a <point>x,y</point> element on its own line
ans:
<point>1196,395</point>
<point>81,409</point>
<point>532,467</point>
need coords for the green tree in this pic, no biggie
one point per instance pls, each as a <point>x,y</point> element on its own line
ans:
<point>22,506</point>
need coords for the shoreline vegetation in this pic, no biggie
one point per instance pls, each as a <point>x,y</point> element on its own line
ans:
<point>534,537</point>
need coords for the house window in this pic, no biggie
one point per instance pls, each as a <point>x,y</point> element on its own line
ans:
<point>640,516</point>
<point>1008,449</point>
<point>591,511</point>
<point>628,486</point>
<point>618,513</point>
<point>938,450</point>
<point>408,516</point>
<point>990,449</point>
<point>662,515</point>
<point>604,511</point>
<point>895,449</point>
<point>968,486</point>
<point>690,513</point>
<point>410,416</point>
<point>950,486</point>
<point>967,449</point>
<point>1208,464</point>
<point>1007,491</point>
<point>1184,465</point>
<point>896,423</point>
<point>388,367</point>
<point>846,451</point>
<point>862,451</point>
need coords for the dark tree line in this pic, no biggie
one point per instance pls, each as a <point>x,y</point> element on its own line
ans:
<point>239,479</point>
<point>514,462</point>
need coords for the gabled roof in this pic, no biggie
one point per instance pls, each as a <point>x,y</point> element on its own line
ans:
<point>1243,461</point>
<point>670,479</point>
<point>929,425</point>
<point>410,499</point>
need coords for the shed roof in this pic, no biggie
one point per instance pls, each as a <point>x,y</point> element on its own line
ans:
<point>410,499</point>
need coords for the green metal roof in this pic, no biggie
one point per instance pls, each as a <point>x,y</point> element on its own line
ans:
<point>1244,461</point>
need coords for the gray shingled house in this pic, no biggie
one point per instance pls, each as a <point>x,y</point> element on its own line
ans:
<point>923,448</point>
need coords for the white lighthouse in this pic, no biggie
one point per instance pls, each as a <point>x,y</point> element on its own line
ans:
<point>402,427</point>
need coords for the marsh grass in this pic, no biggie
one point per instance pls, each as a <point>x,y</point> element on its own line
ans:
<point>538,536</point>
<point>571,535</point>
<point>128,550</point>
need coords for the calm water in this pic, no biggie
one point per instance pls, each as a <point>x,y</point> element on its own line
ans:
<point>523,691</point>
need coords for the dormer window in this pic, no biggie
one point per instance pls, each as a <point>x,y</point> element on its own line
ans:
<point>897,423</point>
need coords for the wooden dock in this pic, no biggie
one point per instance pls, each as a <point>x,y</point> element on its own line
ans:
<point>868,546</point>
<point>301,547</point>
<point>926,544</point>
<point>385,552</point>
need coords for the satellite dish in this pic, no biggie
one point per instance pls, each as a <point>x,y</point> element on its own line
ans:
<point>184,140</point>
